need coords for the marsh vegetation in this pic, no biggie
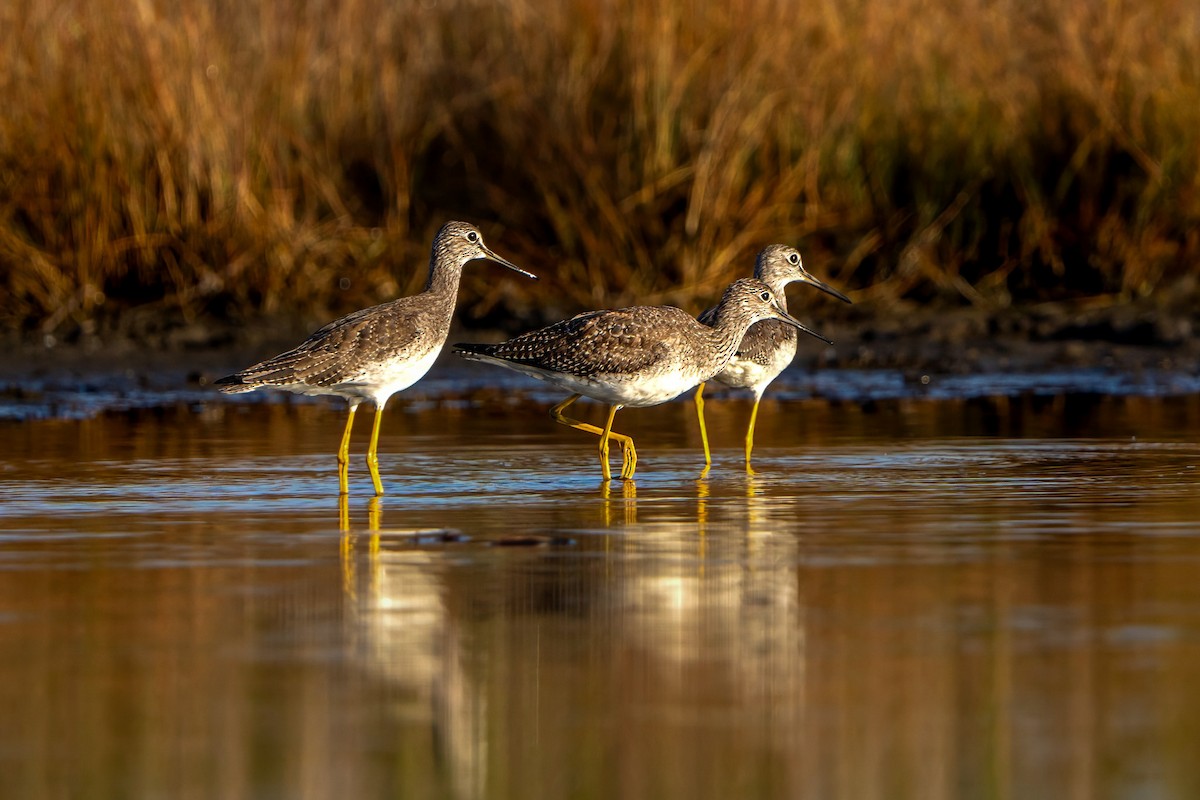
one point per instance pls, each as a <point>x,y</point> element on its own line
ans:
<point>223,160</point>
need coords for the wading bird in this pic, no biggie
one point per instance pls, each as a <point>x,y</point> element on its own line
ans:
<point>378,351</point>
<point>769,346</point>
<point>639,356</point>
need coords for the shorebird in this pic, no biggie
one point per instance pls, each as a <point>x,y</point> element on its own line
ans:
<point>375,352</point>
<point>769,346</point>
<point>639,356</point>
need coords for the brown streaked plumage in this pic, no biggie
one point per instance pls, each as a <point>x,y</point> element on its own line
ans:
<point>769,346</point>
<point>638,356</point>
<point>373,353</point>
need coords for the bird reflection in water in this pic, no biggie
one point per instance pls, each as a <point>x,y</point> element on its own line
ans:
<point>628,502</point>
<point>402,632</point>
<point>348,539</point>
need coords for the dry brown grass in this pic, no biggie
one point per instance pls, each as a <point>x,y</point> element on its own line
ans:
<point>229,159</point>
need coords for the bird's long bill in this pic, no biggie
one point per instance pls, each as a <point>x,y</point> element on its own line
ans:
<point>504,262</point>
<point>825,287</point>
<point>798,325</point>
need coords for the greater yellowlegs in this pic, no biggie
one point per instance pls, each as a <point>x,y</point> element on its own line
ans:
<point>639,356</point>
<point>769,346</point>
<point>374,353</point>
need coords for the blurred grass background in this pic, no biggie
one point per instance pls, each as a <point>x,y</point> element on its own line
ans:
<point>211,160</point>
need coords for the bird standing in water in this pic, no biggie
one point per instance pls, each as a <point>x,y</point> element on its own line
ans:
<point>639,356</point>
<point>378,351</point>
<point>769,346</point>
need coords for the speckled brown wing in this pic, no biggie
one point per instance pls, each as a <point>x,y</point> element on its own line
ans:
<point>763,340</point>
<point>621,341</point>
<point>340,351</point>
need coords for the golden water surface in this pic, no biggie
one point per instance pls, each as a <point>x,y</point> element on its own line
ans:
<point>915,599</point>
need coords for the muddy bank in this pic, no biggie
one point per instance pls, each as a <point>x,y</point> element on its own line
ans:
<point>1048,336</point>
<point>1127,349</point>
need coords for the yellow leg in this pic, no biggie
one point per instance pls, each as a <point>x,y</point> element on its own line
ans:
<point>373,451</point>
<point>344,454</point>
<point>629,461</point>
<point>703,430</point>
<point>556,414</point>
<point>750,431</point>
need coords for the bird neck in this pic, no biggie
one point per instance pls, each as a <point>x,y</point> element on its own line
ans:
<point>444,276</point>
<point>726,333</point>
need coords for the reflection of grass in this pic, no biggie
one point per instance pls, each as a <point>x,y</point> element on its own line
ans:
<point>232,159</point>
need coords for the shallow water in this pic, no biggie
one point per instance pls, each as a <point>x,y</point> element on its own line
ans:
<point>910,598</point>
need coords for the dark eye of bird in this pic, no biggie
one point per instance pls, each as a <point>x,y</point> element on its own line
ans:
<point>794,258</point>
<point>472,236</point>
<point>766,298</point>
